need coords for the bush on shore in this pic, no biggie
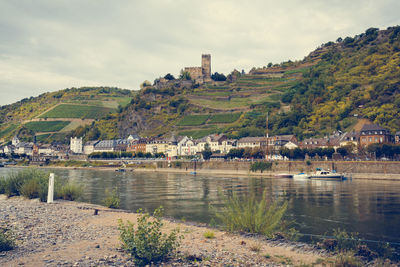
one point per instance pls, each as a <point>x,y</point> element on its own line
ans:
<point>247,214</point>
<point>6,239</point>
<point>147,244</point>
<point>112,199</point>
<point>33,183</point>
<point>70,191</point>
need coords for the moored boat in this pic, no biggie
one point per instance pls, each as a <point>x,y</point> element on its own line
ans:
<point>323,174</point>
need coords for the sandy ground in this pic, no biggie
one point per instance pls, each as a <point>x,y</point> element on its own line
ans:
<point>69,234</point>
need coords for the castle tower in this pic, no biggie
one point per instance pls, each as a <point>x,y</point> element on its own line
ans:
<point>206,67</point>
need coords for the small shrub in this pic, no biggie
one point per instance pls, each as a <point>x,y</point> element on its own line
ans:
<point>255,247</point>
<point>6,239</point>
<point>247,214</point>
<point>30,189</point>
<point>209,234</point>
<point>28,183</point>
<point>346,241</point>
<point>2,185</point>
<point>147,244</point>
<point>12,185</point>
<point>112,199</point>
<point>71,191</point>
<point>347,260</point>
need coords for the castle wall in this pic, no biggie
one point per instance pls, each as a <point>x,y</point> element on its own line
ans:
<point>196,73</point>
<point>203,73</point>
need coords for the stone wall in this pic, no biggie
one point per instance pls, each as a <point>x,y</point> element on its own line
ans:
<point>292,166</point>
<point>196,73</point>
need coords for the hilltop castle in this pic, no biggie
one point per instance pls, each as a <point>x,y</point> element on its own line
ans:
<point>201,74</point>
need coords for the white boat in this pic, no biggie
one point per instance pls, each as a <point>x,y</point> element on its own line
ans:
<point>301,176</point>
<point>323,174</point>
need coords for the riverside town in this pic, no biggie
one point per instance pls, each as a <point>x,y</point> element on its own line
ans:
<point>372,142</point>
<point>200,133</point>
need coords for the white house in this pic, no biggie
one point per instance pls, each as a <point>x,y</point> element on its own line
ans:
<point>105,146</point>
<point>15,141</point>
<point>89,147</point>
<point>76,145</point>
<point>24,148</point>
<point>46,149</point>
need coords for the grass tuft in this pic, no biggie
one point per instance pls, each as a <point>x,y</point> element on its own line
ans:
<point>209,234</point>
<point>247,214</point>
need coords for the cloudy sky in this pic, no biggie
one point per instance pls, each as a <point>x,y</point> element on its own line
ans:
<point>48,45</point>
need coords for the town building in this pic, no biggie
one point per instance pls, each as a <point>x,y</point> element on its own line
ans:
<point>397,137</point>
<point>76,145</point>
<point>88,148</point>
<point>252,142</point>
<point>15,141</point>
<point>157,145</point>
<point>105,146</point>
<point>373,133</point>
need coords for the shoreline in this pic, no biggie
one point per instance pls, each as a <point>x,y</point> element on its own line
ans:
<point>68,233</point>
<point>241,173</point>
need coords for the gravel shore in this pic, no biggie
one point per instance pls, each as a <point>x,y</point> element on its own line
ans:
<point>69,234</point>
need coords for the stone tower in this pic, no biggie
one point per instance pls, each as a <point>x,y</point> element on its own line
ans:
<point>206,67</point>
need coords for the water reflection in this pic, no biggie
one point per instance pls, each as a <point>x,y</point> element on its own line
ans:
<point>371,208</point>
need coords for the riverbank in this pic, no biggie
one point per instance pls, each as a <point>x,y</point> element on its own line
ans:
<point>69,234</point>
<point>365,170</point>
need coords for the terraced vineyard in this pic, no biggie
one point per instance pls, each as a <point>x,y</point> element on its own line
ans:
<point>262,86</point>
<point>224,118</point>
<point>193,120</point>
<point>46,126</point>
<point>8,130</point>
<point>77,111</point>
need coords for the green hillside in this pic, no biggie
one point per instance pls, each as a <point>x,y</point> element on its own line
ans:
<point>356,78</point>
<point>341,83</point>
<point>86,103</point>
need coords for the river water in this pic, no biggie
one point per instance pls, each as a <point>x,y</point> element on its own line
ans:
<point>371,208</point>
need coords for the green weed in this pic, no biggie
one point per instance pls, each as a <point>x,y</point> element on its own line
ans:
<point>112,199</point>
<point>247,214</point>
<point>209,234</point>
<point>147,244</point>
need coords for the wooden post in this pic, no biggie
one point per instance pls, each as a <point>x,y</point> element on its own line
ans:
<point>50,193</point>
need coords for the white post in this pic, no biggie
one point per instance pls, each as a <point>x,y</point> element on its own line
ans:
<point>50,194</point>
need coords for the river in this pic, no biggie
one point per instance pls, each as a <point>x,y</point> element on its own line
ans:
<point>371,208</point>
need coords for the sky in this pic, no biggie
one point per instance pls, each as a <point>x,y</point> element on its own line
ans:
<point>48,45</point>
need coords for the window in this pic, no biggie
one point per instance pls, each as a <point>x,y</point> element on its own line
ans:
<point>370,139</point>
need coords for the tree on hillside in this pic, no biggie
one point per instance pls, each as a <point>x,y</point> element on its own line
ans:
<point>145,84</point>
<point>218,77</point>
<point>185,75</point>
<point>169,77</point>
